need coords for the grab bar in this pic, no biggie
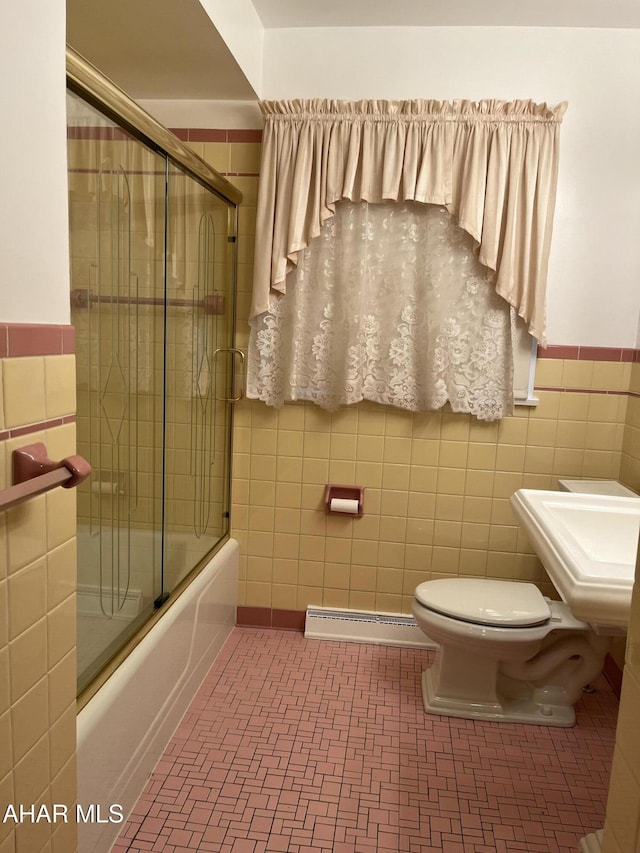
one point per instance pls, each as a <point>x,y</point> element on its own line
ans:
<point>34,473</point>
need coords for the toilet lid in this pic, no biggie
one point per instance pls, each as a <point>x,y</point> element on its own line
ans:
<point>485,601</point>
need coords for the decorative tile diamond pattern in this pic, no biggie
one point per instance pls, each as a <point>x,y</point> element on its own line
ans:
<point>304,745</point>
<point>114,398</point>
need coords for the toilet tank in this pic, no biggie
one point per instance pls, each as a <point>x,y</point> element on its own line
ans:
<point>596,487</point>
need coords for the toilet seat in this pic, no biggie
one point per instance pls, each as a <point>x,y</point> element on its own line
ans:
<point>482,601</point>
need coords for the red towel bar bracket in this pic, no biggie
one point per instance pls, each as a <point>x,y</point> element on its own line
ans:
<point>34,473</point>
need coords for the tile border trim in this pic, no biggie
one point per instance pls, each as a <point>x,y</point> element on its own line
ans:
<point>564,390</point>
<point>29,429</point>
<point>185,134</point>
<point>27,339</point>
<point>18,339</point>
<point>578,353</point>
<point>203,134</point>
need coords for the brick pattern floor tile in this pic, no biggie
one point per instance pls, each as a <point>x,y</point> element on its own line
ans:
<point>299,746</point>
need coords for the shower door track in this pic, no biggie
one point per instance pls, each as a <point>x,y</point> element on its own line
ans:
<point>84,78</point>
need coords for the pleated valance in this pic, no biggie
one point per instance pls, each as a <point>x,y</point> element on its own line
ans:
<point>493,164</point>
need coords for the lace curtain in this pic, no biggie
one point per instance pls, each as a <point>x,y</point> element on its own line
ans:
<point>389,304</point>
<point>493,165</point>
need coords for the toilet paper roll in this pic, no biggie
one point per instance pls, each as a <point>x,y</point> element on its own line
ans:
<point>344,505</point>
<point>104,487</point>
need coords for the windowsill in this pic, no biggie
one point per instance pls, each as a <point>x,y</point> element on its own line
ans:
<point>531,402</point>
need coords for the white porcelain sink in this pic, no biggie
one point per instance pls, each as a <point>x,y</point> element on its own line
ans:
<point>588,545</point>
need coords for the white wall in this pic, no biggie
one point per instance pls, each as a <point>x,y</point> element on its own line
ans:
<point>221,115</point>
<point>594,277</point>
<point>34,249</point>
<point>240,27</point>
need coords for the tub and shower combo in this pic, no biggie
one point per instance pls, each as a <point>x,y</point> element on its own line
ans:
<point>153,264</point>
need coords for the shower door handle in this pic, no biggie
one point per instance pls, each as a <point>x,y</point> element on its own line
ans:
<point>235,352</point>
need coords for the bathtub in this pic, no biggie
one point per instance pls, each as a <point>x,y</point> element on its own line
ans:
<point>125,727</point>
<point>141,550</point>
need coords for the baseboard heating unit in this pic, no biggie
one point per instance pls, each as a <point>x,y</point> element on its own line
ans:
<point>359,626</point>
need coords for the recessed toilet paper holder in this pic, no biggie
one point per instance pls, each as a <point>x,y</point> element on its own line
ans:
<point>353,494</point>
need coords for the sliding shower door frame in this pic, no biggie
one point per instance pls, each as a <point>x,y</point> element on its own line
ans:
<point>85,81</point>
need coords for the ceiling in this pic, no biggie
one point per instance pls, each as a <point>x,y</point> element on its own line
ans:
<point>170,49</point>
<point>165,49</point>
<point>449,13</point>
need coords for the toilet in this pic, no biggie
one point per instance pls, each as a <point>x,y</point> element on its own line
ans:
<point>505,652</point>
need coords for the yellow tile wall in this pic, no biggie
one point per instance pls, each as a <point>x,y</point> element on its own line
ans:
<point>622,826</point>
<point>37,612</point>
<point>630,463</point>
<point>437,489</point>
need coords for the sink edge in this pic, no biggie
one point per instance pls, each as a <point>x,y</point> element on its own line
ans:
<point>612,611</point>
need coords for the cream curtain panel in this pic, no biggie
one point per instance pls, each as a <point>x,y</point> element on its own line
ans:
<point>492,164</point>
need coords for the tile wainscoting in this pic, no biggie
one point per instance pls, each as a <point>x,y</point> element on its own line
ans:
<point>37,590</point>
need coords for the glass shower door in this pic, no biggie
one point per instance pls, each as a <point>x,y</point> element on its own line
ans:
<point>199,368</point>
<point>117,224</point>
<point>152,301</point>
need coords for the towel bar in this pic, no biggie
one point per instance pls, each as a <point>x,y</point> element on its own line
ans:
<point>34,473</point>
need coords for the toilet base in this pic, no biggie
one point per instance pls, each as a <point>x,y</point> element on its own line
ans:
<point>512,711</point>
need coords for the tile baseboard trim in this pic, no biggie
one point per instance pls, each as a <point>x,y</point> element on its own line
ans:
<point>267,617</point>
<point>613,674</point>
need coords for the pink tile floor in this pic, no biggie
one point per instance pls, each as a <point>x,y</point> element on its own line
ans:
<point>305,746</point>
